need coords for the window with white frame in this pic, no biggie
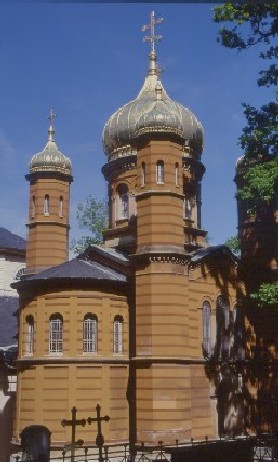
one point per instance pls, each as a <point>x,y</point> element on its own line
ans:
<point>61,207</point>
<point>29,335</point>
<point>90,324</point>
<point>46,205</point>
<point>160,171</point>
<point>118,335</point>
<point>56,334</point>
<point>187,207</point>
<point>177,173</point>
<point>122,201</point>
<point>33,212</point>
<point>206,311</point>
<point>143,174</point>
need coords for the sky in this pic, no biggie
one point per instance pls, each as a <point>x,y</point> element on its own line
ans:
<point>86,60</point>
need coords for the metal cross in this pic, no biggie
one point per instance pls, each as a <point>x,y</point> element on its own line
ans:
<point>152,37</point>
<point>73,424</point>
<point>52,116</point>
<point>99,438</point>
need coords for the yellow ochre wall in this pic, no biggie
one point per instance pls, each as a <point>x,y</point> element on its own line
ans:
<point>48,235</point>
<point>50,385</point>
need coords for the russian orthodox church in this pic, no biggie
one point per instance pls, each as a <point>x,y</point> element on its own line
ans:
<point>150,325</point>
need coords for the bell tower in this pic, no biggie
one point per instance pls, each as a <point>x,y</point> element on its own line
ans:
<point>48,227</point>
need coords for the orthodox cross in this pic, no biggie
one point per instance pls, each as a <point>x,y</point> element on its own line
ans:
<point>152,37</point>
<point>52,116</point>
<point>99,438</point>
<point>73,423</point>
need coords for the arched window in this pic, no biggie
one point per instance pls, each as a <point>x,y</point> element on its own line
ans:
<point>61,207</point>
<point>90,323</point>
<point>177,173</point>
<point>187,208</point>
<point>143,174</point>
<point>33,212</point>
<point>160,171</point>
<point>46,205</point>
<point>206,329</point>
<point>56,334</point>
<point>118,335</point>
<point>224,326</point>
<point>29,335</point>
<point>122,201</point>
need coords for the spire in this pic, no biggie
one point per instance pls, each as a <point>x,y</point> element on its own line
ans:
<point>152,38</point>
<point>51,131</point>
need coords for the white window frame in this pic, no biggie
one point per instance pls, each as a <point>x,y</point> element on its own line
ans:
<point>177,173</point>
<point>46,207</point>
<point>160,172</point>
<point>206,315</point>
<point>90,334</point>
<point>56,335</point>
<point>123,202</point>
<point>29,346</point>
<point>118,336</point>
<point>61,207</point>
<point>187,208</point>
<point>143,174</point>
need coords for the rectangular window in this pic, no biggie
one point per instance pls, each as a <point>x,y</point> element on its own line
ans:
<point>118,337</point>
<point>89,335</point>
<point>56,336</point>
<point>160,171</point>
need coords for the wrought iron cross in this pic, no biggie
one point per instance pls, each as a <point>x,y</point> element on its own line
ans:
<point>99,438</point>
<point>73,423</point>
<point>152,37</point>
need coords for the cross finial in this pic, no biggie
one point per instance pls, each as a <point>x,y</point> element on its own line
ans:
<point>152,37</point>
<point>52,116</point>
<point>51,131</point>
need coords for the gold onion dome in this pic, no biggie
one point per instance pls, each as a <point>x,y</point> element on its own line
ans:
<point>152,111</point>
<point>51,159</point>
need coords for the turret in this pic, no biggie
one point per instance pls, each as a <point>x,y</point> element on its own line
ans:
<point>48,227</point>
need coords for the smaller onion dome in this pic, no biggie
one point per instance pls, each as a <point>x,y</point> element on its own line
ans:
<point>51,159</point>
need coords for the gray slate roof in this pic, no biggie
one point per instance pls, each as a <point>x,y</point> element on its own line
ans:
<point>202,254</point>
<point>78,269</point>
<point>9,240</point>
<point>8,322</point>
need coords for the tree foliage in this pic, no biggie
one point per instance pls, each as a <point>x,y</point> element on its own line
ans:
<point>91,216</point>
<point>246,25</point>
<point>261,183</point>
<point>233,244</point>
<point>267,295</point>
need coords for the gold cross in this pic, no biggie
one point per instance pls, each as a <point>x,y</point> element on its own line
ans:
<point>152,37</point>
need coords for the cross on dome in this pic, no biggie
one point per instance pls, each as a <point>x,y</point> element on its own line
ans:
<point>51,131</point>
<point>152,38</point>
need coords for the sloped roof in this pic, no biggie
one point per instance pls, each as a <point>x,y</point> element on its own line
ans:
<point>78,269</point>
<point>8,322</point>
<point>9,240</point>
<point>203,254</point>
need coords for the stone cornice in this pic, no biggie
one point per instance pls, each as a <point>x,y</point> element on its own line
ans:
<point>46,223</point>
<point>58,360</point>
<point>161,192</point>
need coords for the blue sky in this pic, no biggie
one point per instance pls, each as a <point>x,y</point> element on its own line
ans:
<point>86,60</point>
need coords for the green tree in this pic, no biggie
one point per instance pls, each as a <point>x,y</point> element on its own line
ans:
<point>233,244</point>
<point>91,216</point>
<point>247,25</point>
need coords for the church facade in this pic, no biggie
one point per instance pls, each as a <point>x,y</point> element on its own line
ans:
<point>150,325</point>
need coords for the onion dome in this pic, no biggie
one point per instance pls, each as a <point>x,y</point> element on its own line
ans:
<point>152,111</point>
<point>51,159</point>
